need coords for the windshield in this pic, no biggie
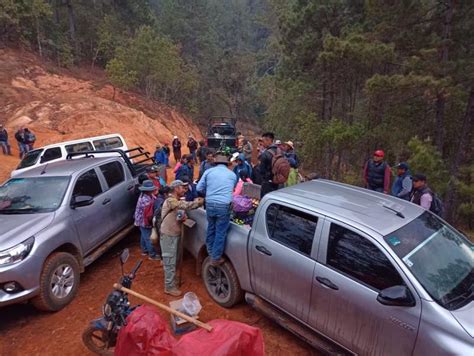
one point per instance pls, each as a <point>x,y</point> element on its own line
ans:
<point>439,257</point>
<point>30,159</point>
<point>32,195</point>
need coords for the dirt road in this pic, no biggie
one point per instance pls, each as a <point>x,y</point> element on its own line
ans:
<point>25,331</point>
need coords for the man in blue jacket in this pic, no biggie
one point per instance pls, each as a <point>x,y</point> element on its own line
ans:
<point>160,156</point>
<point>402,186</point>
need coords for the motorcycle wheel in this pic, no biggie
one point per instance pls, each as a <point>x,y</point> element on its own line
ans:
<point>96,340</point>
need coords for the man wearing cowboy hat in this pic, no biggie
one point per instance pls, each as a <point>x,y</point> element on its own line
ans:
<point>217,184</point>
<point>170,232</point>
<point>143,221</point>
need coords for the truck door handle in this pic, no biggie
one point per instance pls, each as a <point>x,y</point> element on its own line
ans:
<point>130,187</point>
<point>263,250</point>
<point>106,201</point>
<point>326,282</point>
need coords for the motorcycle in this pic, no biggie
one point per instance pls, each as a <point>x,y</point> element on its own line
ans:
<point>100,336</point>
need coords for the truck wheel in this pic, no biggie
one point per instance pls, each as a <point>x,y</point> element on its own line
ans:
<point>222,283</point>
<point>59,281</point>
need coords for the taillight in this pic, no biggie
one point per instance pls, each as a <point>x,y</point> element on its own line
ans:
<point>207,142</point>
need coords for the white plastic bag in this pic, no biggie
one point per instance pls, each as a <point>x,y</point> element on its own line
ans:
<point>191,304</point>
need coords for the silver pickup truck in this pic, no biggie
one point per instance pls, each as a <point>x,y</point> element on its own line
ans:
<point>348,270</point>
<point>57,219</point>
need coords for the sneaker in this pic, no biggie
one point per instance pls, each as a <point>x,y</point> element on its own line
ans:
<point>217,262</point>
<point>154,258</point>
<point>175,292</point>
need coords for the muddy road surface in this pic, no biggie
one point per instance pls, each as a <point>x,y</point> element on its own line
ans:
<point>25,331</point>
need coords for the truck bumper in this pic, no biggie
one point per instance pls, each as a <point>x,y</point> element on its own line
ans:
<point>24,277</point>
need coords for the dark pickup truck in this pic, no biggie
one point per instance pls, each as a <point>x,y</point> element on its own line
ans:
<point>221,133</point>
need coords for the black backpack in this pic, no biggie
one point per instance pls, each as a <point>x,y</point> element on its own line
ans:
<point>436,205</point>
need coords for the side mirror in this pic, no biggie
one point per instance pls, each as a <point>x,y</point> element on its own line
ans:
<point>396,296</point>
<point>81,200</point>
<point>124,256</point>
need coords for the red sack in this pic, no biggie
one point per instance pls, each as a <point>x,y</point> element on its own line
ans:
<point>147,333</point>
<point>229,338</point>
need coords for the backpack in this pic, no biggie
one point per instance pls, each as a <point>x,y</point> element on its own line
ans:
<point>148,213</point>
<point>436,205</point>
<point>280,168</point>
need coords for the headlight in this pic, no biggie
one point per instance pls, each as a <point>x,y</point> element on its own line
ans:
<point>16,253</point>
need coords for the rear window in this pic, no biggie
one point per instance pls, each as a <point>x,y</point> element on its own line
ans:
<point>113,173</point>
<point>30,159</point>
<point>108,143</point>
<point>79,147</point>
<point>224,130</point>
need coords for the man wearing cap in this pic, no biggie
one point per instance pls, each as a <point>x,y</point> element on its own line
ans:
<point>241,165</point>
<point>218,184</point>
<point>152,173</point>
<point>421,194</point>
<point>143,219</point>
<point>4,141</point>
<point>402,185</point>
<point>176,144</point>
<point>170,231</point>
<point>377,173</point>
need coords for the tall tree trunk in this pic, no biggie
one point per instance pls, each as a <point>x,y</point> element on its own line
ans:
<point>38,37</point>
<point>467,126</point>
<point>72,27</point>
<point>440,98</point>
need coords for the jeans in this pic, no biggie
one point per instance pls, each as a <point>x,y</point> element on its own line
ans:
<point>5,147</point>
<point>145,242</point>
<point>169,253</point>
<point>23,148</point>
<point>218,221</point>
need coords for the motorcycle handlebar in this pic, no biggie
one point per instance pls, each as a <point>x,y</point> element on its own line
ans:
<point>135,269</point>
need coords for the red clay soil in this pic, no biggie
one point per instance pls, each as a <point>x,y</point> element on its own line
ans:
<point>25,331</point>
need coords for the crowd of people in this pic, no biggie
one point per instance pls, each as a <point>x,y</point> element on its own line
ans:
<point>220,180</point>
<point>24,138</point>
<point>414,188</point>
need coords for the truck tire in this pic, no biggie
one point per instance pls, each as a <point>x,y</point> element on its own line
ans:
<point>222,283</point>
<point>59,282</point>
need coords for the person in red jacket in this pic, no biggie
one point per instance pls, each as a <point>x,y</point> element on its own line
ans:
<point>377,173</point>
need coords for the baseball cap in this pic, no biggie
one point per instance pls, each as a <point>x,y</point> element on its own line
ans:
<point>419,177</point>
<point>278,142</point>
<point>379,153</point>
<point>177,183</point>
<point>403,165</point>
